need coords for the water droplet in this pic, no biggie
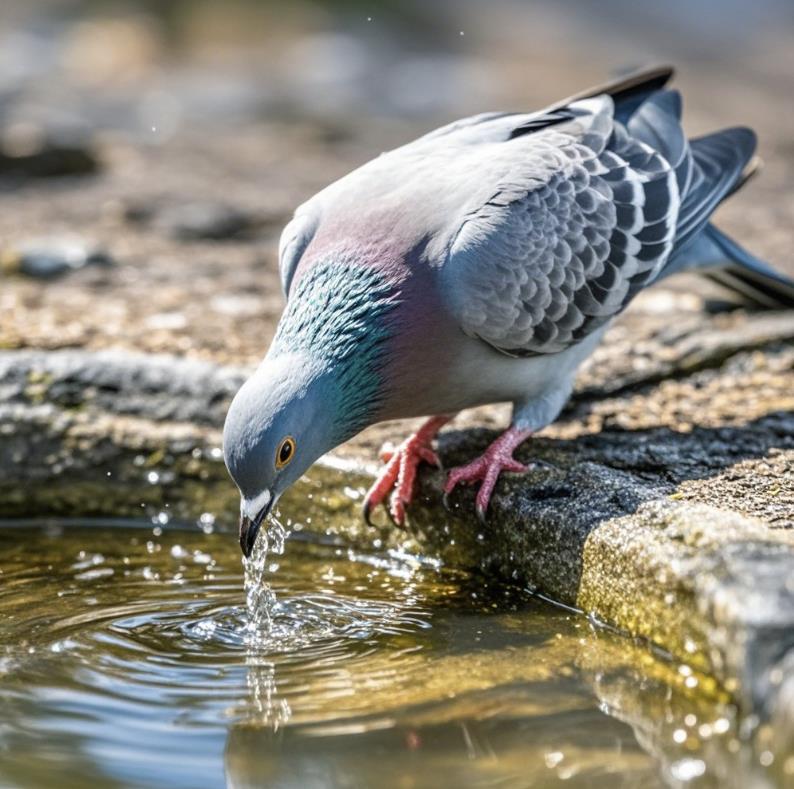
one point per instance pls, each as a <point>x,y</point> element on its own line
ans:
<point>553,758</point>
<point>207,522</point>
<point>92,575</point>
<point>766,758</point>
<point>178,552</point>
<point>276,537</point>
<point>687,769</point>
<point>206,628</point>
<point>721,725</point>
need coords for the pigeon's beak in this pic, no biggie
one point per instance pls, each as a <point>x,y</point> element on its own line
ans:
<point>249,527</point>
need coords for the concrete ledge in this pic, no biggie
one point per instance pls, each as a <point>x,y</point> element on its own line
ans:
<point>711,587</point>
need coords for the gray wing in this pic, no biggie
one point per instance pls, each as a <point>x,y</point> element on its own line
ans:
<point>428,160</point>
<point>585,219</point>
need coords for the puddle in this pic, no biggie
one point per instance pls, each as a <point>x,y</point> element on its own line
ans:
<point>127,659</point>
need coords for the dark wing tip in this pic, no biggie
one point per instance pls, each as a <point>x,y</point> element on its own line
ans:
<point>629,91</point>
<point>751,169</point>
<point>638,82</point>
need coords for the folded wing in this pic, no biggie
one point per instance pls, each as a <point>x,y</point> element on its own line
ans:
<point>538,268</point>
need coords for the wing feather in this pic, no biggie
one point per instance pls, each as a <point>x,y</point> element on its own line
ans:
<point>595,222</point>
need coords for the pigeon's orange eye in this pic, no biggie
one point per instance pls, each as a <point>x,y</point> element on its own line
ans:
<point>285,452</point>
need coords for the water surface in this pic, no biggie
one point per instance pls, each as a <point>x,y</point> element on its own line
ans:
<point>127,659</point>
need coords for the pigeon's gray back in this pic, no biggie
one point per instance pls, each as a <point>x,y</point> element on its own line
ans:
<point>537,228</point>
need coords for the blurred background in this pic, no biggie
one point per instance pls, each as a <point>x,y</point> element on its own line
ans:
<point>151,151</point>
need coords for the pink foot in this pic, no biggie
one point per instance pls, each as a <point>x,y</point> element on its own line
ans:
<point>498,457</point>
<point>400,471</point>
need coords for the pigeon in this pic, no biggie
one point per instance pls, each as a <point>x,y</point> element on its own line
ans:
<point>480,263</point>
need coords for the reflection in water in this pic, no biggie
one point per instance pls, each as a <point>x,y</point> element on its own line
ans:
<point>268,709</point>
<point>545,712</point>
<point>127,660</point>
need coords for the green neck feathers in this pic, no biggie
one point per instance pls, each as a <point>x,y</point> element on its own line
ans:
<point>337,313</point>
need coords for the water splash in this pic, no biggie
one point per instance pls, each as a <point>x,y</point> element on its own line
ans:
<point>260,599</point>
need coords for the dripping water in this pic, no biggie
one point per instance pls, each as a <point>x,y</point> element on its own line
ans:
<point>260,599</point>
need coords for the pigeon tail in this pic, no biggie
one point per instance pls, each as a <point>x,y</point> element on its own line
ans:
<point>721,164</point>
<point>723,261</point>
<point>708,169</point>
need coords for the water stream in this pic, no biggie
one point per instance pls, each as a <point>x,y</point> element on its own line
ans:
<point>131,657</point>
<point>260,599</point>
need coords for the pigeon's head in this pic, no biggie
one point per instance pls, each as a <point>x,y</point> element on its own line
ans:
<point>322,381</point>
<point>282,419</point>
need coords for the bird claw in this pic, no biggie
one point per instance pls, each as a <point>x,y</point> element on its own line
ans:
<point>487,468</point>
<point>399,473</point>
<point>396,510</point>
<point>429,456</point>
<point>366,511</point>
